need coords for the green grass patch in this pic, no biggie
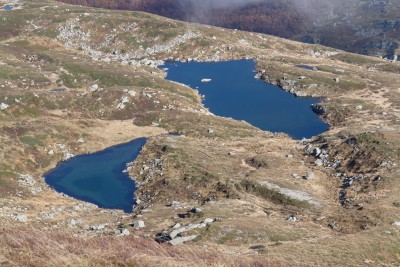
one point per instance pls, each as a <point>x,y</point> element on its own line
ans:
<point>390,67</point>
<point>356,59</point>
<point>60,137</point>
<point>230,236</point>
<point>31,140</point>
<point>203,42</point>
<point>273,195</point>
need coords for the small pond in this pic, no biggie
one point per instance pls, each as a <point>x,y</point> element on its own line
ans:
<point>98,178</point>
<point>8,7</point>
<point>231,90</point>
<point>306,67</point>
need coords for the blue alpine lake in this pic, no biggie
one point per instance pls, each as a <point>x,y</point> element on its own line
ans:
<point>98,178</point>
<point>231,90</point>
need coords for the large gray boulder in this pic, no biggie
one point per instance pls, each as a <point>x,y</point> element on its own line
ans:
<point>3,106</point>
<point>94,88</point>
<point>138,224</point>
<point>181,240</point>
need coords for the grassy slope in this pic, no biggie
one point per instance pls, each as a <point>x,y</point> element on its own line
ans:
<point>198,168</point>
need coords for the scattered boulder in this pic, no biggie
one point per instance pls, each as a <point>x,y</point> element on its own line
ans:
<point>257,247</point>
<point>71,222</point>
<point>359,107</point>
<point>318,109</point>
<point>146,95</point>
<point>310,175</point>
<point>175,233</point>
<point>316,152</point>
<point>210,130</point>
<point>292,218</point>
<point>4,106</point>
<point>98,227</point>
<point>300,94</point>
<point>94,87</point>
<point>296,176</point>
<point>32,58</point>
<point>332,225</point>
<point>178,231</point>
<point>21,218</point>
<point>132,93</point>
<point>174,204</point>
<point>138,224</point>
<point>396,223</point>
<point>181,240</point>
<point>121,104</point>
<point>318,162</point>
<point>124,232</point>
<point>209,220</point>
<point>162,237</point>
<point>178,225</point>
<point>196,210</point>
<point>27,181</point>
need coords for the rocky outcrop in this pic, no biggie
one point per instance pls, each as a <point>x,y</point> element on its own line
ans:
<point>73,35</point>
<point>139,224</point>
<point>177,234</point>
<point>318,109</point>
<point>3,106</point>
<point>27,181</point>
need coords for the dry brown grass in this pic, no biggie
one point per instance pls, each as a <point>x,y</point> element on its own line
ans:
<point>32,247</point>
<point>200,162</point>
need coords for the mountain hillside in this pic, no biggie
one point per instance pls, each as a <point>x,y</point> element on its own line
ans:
<point>75,80</point>
<point>365,27</point>
<point>278,18</point>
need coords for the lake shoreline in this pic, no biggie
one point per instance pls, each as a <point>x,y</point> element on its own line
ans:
<point>194,84</point>
<point>51,181</point>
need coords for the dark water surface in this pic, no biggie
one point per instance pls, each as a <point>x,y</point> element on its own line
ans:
<point>234,92</point>
<point>98,178</point>
<point>306,67</point>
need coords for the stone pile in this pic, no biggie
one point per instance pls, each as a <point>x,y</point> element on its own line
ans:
<point>177,235</point>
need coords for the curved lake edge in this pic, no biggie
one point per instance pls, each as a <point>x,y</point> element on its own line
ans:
<point>124,171</point>
<point>260,75</point>
<point>317,108</point>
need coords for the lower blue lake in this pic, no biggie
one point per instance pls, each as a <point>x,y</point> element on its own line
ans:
<point>98,178</point>
<point>234,92</point>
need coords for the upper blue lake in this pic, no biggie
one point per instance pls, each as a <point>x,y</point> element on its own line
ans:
<point>98,178</point>
<point>235,92</point>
